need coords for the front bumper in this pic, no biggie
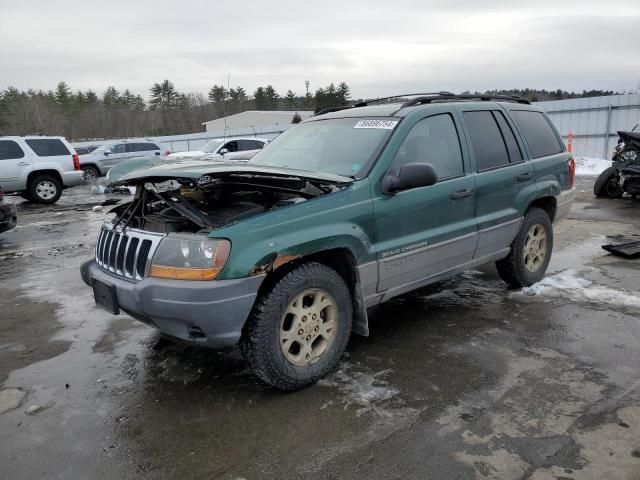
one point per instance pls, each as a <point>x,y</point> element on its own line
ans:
<point>210,313</point>
<point>8,216</point>
<point>69,179</point>
<point>563,203</point>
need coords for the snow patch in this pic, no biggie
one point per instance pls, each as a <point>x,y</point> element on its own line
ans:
<point>591,166</point>
<point>568,284</point>
<point>366,390</point>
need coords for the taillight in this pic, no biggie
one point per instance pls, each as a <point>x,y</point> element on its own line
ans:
<point>167,153</point>
<point>76,161</point>
<point>572,172</point>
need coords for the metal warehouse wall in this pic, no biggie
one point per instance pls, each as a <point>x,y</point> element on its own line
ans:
<point>594,121</point>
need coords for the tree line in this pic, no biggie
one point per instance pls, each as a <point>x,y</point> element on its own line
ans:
<point>83,115</point>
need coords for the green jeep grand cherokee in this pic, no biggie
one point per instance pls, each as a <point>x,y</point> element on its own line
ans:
<point>284,254</point>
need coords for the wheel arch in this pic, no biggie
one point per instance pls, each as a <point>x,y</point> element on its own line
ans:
<point>37,173</point>
<point>549,204</point>
<point>340,259</point>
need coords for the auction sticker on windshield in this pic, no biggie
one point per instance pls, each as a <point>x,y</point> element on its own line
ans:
<point>384,124</point>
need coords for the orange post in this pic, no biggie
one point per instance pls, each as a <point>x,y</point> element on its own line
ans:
<point>569,141</point>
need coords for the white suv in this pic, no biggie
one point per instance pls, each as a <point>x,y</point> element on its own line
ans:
<point>38,167</point>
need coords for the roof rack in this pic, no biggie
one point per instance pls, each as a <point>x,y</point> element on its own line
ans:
<point>375,100</point>
<point>333,109</point>
<point>430,97</point>
<point>368,102</point>
<point>447,97</point>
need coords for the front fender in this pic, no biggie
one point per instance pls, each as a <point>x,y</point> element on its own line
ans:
<point>342,219</point>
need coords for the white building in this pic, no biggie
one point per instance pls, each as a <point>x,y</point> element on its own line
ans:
<point>255,119</point>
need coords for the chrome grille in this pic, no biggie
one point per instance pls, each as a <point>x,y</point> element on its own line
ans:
<point>126,253</point>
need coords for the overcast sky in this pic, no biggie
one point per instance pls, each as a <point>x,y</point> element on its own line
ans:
<point>377,47</point>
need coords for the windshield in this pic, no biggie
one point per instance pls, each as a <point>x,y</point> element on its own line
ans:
<point>340,146</point>
<point>211,146</point>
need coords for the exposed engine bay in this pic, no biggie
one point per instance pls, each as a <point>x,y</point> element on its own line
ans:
<point>184,205</point>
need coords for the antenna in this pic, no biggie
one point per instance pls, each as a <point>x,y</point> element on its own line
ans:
<point>226,106</point>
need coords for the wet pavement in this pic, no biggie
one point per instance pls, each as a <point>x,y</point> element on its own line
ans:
<point>465,379</point>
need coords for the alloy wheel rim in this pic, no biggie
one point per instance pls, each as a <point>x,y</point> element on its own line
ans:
<point>89,175</point>
<point>46,190</point>
<point>535,248</point>
<point>308,326</point>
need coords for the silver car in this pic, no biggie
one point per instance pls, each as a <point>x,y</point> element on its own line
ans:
<point>97,163</point>
<point>230,148</point>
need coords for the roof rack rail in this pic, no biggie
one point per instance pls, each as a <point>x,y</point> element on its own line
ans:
<point>333,109</point>
<point>452,97</point>
<point>374,100</point>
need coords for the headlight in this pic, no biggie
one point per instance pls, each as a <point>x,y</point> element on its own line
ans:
<point>189,257</point>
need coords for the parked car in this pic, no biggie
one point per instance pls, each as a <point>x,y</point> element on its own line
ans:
<point>8,214</point>
<point>284,254</point>
<point>230,147</point>
<point>97,163</point>
<point>38,167</point>
<point>85,150</point>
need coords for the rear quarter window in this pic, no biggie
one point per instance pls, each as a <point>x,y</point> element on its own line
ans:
<point>538,133</point>
<point>47,147</point>
<point>10,150</point>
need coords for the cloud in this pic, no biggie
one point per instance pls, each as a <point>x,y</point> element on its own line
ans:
<point>378,47</point>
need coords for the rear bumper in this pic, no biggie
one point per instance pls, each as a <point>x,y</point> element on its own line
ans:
<point>69,179</point>
<point>8,216</point>
<point>207,313</point>
<point>563,203</point>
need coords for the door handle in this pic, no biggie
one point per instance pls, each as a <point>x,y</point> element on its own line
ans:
<point>523,177</point>
<point>465,192</point>
<point>23,164</point>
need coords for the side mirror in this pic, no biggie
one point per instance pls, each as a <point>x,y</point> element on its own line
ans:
<point>223,151</point>
<point>412,175</point>
<point>107,153</point>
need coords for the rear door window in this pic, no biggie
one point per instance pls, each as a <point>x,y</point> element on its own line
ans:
<point>119,148</point>
<point>248,145</point>
<point>537,132</point>
<point>432,140</point>
<point>488,145</point>
<point>10,150</point>
<point>47,147</point>
<point>515,154</point>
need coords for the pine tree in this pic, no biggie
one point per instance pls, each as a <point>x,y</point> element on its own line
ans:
<point>272,97</point>
<point>63,94</point>
<point>260,99</point>
<point>164,96</point>
<point>217,94</point>
<point>290,99</point>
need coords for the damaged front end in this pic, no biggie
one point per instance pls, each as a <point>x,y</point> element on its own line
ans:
<point>212,201</point>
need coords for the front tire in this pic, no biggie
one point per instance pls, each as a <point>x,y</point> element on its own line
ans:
<point>299,327</point>
<point>607,185</point>
<point>530,251</point>
<point>45,189</point>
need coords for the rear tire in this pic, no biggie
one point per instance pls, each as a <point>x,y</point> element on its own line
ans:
<point>45,189</point>
<point>299,328</point>
<point>530,251</point>
<point>606,184</point>
<point>90,174</point>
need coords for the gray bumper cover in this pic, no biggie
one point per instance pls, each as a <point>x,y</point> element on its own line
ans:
<point>563,204</point>
<point>208,313</point>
